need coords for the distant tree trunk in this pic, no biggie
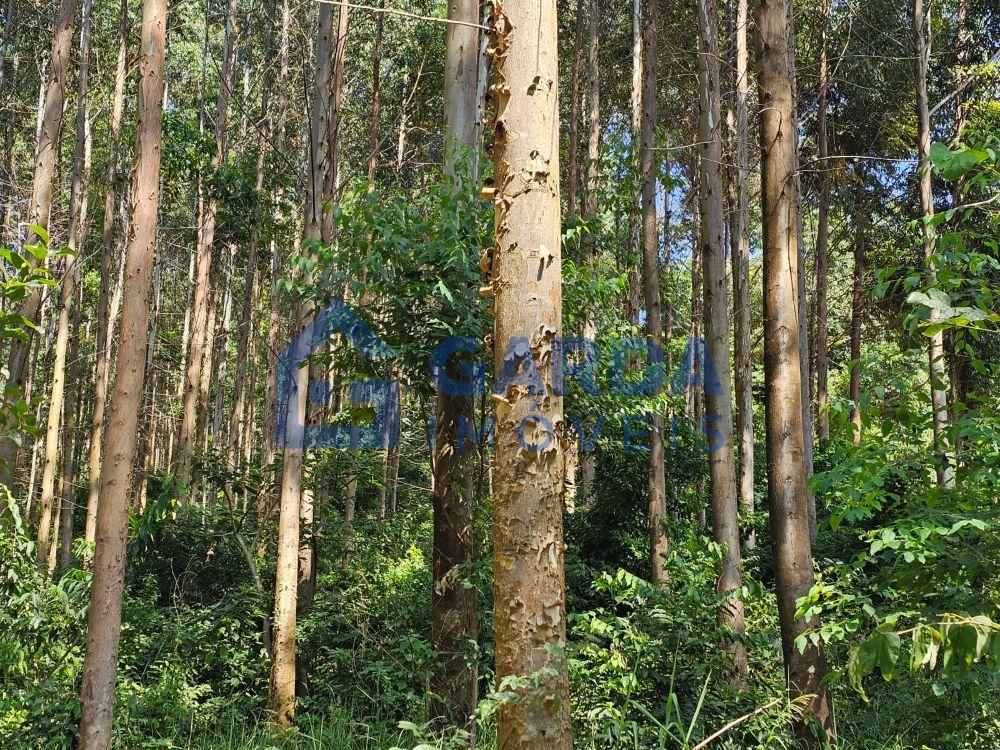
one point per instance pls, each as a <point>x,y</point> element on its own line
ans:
<point>718,393</point>
<point>529,586</point>
<point>656,482</point>
<point>105,323</point>
<point>8,25</point>
<point>959,363</point>
<point>221,347</point>
<point>104,616</point>
<point>187,437</point>
<point>274,312</point>
<point>247,307</point>
<point>696,396</point>
<point>50,125</point>
<point>376,92</point>
<point>740,251</point>
<point>857,302</point>
<point>588,459</point>
<point>788,497</point>
<point>573,168</point>
<point>69,445</point>
<point>453,604</point>
<point>822,239</point>
<point>938,378</point>
<point>77,219</point>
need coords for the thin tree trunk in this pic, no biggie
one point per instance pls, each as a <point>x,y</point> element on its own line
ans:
<point>267,128</point>
<point>67,487</point>
<point>105,324</point>
<point>376,92</point>
<point>529,587</point>
<point>718,390</point>
<point>656,481</point>
<point>788,497</point>
<point>77,219</point>
<point>857,302</point>
<point>822,240</point>
<point>104,616</point>
<point>274,311</point>
<point>588,459</point>
<point>46,152</point>
<point>453,687</point>
<point>573,169</point>
<point>938,378</point>
<point>740,244</point>
<point>959,362</point>
<point>206,239</point>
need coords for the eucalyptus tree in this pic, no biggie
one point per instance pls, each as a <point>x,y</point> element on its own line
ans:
<point>786,464</point>
<point>97,693</point>
<point>528,476</point>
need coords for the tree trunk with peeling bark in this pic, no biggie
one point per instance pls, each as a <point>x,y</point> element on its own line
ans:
<point>104,616</point>
<point>529,586</point>
<point>787,493</point>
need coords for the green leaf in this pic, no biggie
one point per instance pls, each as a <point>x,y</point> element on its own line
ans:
<point>41,232</point>
<point>955,164</point>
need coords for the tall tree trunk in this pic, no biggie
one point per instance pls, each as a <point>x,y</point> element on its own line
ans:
<point>822,239</point>
<point>656,481</point>
<point>573,168</point>
<point>282,684</point>
<point>104,616</point>
<point>50,125</point>
<point>718,391</point>
<point>67,487</point>
<point>959,362</point>
<point>740,250</point>
<point>267,132</point>
<point>857,301</point>
<point>453,603</point>
<point>376,92</point>
<point>938,378</point>
<point>295,559</point>
<point>105,323</point>
<point>274,312</point>
<point>588,459</point>
<point>803,315</point>
<point>787,494</point>
<point>77,218</point>
<point>206,240</point>
<point>529,586</point>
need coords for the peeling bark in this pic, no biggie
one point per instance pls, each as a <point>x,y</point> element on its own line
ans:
<point>529,587</point>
